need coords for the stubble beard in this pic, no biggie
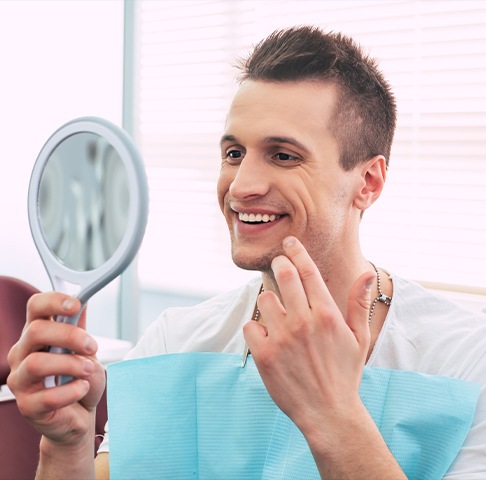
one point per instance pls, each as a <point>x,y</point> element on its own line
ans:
<point>261,263</point>
<point>320,249</point>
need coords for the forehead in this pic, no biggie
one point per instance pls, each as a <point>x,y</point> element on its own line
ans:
<point>288,108</point>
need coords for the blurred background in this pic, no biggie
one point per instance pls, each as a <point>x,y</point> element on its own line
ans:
<point>164,70</point>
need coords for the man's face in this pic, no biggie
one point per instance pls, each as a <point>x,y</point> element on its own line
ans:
<point>280,174</point>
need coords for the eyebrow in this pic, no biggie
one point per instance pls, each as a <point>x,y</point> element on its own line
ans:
<point>227,138</point>
<point>269,140</point>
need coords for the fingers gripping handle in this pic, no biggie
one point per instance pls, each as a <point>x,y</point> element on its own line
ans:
<point>53,380</point>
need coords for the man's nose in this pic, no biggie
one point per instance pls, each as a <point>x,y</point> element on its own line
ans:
<point>251,179</point>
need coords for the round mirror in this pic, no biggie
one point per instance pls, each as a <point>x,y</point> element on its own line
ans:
<point>88,201</point>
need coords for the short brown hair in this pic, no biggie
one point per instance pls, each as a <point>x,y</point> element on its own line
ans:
<point>365,114</point>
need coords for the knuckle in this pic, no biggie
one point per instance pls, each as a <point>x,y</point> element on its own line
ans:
<point>364,303</point>
<point>12,380</point>
<point>302,328</point>
<point>247,328</point>
<point>323,313</point>
<point>32,362</point>
<point>50,400</point>
<point>32,300</point>
<point>73,335</point>
<point>11,356</point>
<point>22,405</point>
<point>265,360</point>
<point>34,329</point>
<point>285,273</point>
<point>306,271</point>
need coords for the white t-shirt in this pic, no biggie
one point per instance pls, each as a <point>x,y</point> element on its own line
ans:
<point>422,332</point>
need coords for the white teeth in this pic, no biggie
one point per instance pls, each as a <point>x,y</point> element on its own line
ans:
<point>252,218</point>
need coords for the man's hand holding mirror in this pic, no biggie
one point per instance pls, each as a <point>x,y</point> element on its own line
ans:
<point>88,208</point>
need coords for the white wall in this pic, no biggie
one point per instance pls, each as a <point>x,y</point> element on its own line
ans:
<point>59,60</point>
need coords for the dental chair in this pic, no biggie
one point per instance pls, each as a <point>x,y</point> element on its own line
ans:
<point>19,442</point>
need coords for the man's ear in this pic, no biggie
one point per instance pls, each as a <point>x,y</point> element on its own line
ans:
<point>373,176</point>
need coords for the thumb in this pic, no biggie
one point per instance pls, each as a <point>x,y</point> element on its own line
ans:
<point>359,303</point>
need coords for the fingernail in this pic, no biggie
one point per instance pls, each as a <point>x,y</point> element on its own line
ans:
<point>68,304</point>
<point>88,365</point>
<point>90,345</point>
<point>289,242</point>
<point>85,385</point>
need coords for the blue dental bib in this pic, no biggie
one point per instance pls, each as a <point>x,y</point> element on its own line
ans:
<point>202,416</point>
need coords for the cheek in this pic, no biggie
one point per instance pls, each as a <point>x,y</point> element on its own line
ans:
<point>224,182</point>
<point>306,197</point>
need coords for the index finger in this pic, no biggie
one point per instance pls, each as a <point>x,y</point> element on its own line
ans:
<point>42,306</point>
<point>314,286</point>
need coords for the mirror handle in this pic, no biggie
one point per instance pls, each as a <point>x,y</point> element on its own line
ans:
<point>52,380</point>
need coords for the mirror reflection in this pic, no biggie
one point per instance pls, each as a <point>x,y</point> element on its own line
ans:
<point>83,201</point>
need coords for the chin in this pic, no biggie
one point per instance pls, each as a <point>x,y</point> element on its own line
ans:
<point>260,263</point>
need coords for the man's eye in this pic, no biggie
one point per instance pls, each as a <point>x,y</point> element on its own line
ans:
<point>285,157</point>
<point>234,154</point>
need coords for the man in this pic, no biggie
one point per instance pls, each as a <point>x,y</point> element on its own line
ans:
<point>304,154</point>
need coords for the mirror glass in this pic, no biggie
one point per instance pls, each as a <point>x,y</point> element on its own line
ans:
<point>84,201</point>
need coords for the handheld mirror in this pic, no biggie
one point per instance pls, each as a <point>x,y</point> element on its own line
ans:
<point>88,207</point>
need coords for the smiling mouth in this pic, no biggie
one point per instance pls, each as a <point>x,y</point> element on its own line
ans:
<point>257,218</point>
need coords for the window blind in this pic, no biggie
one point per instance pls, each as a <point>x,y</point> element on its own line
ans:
<point>429,224</point>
